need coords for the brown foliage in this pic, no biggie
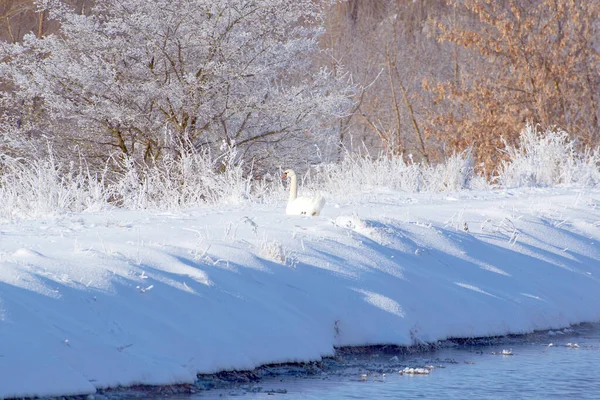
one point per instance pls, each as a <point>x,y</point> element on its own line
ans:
<point>525,61</point>
<point>440,77</point>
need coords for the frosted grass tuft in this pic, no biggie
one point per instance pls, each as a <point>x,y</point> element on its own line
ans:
<point>44,186</point>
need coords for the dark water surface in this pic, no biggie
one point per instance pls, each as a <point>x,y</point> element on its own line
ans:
<point>530,369</point>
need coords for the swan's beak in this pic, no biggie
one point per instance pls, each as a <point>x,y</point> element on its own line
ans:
<point>284,175</point>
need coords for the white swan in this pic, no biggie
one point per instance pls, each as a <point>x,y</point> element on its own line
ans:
<point>301,205</point>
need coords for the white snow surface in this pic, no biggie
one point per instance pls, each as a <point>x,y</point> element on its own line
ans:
<point>97,300</point>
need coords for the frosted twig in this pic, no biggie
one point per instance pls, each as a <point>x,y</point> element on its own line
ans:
<point>121,348</point>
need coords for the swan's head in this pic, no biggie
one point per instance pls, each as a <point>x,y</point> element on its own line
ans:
<point>288,173</point>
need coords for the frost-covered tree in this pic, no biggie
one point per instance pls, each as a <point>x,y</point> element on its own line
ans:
<point>144,78</point>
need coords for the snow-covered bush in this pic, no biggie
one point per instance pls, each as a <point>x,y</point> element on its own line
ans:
<point>46,186</point>
<point>357,173</point>
<point>192,179</point>
<point>548,158</point>
<point>145,77</point>
<point>456,173</point>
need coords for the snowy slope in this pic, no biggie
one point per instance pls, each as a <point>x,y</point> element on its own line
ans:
<point>118,298</point>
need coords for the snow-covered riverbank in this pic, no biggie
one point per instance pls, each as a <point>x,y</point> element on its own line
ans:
<point>120,298</point>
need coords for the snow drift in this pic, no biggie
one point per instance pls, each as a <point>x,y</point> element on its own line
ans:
<point>93,300</point>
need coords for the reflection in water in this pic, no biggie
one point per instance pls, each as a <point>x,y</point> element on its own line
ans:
<point>550,365</point>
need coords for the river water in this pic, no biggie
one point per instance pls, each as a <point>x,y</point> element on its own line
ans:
<point>551,365</point>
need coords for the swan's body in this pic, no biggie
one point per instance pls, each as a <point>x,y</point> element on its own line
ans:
<point>301,205</point>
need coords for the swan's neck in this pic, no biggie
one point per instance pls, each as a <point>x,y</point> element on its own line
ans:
<point>293,188</point>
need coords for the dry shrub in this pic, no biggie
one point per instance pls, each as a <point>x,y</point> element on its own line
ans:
<point>520,61</point>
